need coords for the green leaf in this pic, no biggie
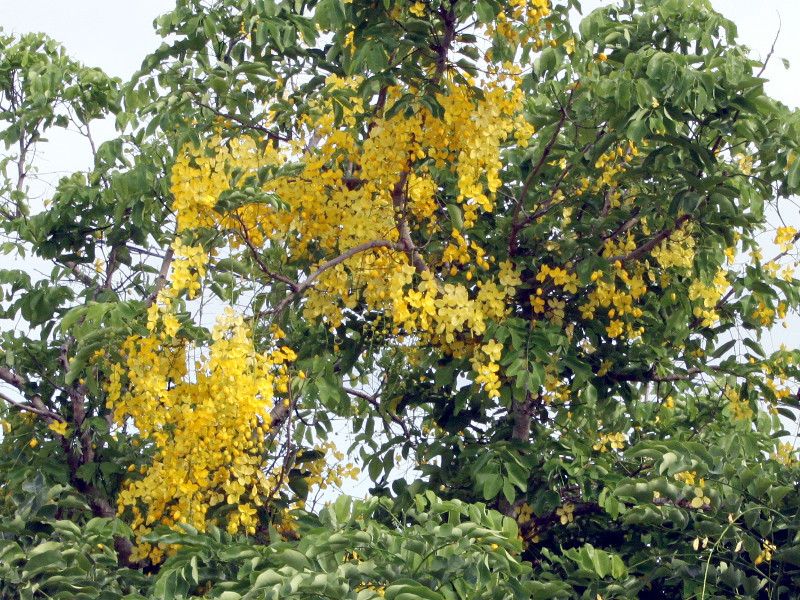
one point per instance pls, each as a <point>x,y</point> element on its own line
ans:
<point>492,486</point>
<point>793,176</point>
<point>455,216</point>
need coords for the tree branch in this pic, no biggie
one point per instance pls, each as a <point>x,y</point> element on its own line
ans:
<point>657,239</point>
<point>47,414</point>
<point>269,133</point>
<point>161,280</point>
<point>401,224</point>
<point>300,288</point>
<point>373,401</point>
<point>261,265</point>
<point>79,275</point>
<point>650,375</point>
<point>516,224</point>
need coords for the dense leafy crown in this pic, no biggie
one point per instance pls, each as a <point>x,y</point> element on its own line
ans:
<point>513,273</point>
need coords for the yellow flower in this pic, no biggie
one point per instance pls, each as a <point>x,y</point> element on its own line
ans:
<point>493,350</point>
<point>59,427</point>
<point>417,9</point>
<point>766,553</point>
<point>615,328</point>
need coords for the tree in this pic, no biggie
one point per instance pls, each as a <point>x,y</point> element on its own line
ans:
<point>528,266</point>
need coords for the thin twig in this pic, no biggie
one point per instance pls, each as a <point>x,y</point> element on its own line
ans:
<point>270,134</point>
<point>516,224</point>
<point>373,401</point>
<point>79,275</point>
<point>772,49</point>
<point>261,265</point>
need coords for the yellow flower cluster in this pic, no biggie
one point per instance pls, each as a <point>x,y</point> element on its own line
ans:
<point>786,454</point>
<point>699,498</point>
<point>201,174</point>
<point>323,473</point>
<point>618,294</point>
<point>710,296</point>
<point>616,440</point>
<point>208,423</point>
<point>417,9</point>
<point>58,427</point>
<point>764,313</point>
<point>738,407</point>
<point>776,379</point>
<point>677,250</point>
<point>612,163</point>
<point>188,269</point>
<point>524,513</point>
<point>566,513</point>
<point>785,237</point>
<point>521,23</point>
<point>690,478</point>
<point>745,163</point>
<point>485,364</point>
<point>768,548</point>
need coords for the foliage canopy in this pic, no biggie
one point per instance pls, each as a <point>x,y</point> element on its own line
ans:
<point>527,266</point>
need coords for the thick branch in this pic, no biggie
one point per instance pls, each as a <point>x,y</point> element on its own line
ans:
<point>522,412</point>
<point>442,49</point>
<point>300,288</point>
<point>161,280</point>
<point>401,224</point>
<point>47,414</point>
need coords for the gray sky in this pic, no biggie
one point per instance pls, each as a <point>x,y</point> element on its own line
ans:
<point>110,34</point>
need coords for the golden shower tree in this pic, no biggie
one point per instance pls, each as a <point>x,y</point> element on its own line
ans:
<point>513,274</point>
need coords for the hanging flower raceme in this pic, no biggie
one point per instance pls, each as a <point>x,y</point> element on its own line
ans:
<point>208,422</point>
